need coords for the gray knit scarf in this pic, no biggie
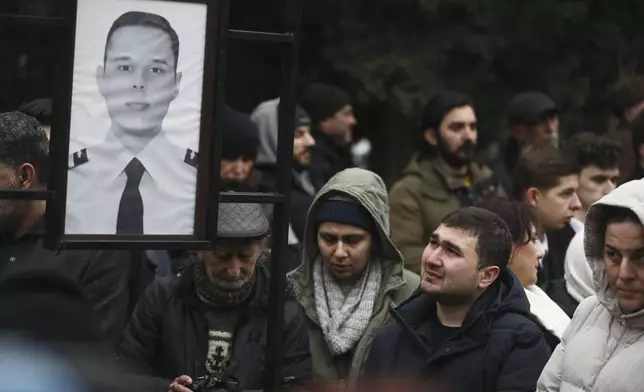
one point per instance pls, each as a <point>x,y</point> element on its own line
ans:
<point>212,295</point>
<point>345,314</point>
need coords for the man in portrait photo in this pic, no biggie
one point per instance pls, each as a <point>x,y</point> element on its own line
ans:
<point>135,181</point>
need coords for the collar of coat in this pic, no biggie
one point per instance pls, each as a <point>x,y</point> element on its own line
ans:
<point>438,175</point>
<point>258,302</point>
<point>505,296</point>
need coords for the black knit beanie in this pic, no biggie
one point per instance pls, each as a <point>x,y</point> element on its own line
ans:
<point>322,101</point>
<point>302,118</point>
<point>240,135</point>
<point>345,210</point>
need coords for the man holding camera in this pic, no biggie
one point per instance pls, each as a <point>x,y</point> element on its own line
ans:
<point>211,320</point>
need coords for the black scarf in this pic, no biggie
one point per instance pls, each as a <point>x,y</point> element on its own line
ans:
<point>212,295</point>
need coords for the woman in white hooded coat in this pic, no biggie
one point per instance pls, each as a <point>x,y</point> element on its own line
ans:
<point>603,348</point>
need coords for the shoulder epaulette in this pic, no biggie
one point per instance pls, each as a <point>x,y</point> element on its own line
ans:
<point>78,158</point>
<point>192,158</point>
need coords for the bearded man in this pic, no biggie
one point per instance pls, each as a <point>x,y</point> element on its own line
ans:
<point>441,177</point>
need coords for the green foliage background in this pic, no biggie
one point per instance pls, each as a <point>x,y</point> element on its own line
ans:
<point>392,53</point>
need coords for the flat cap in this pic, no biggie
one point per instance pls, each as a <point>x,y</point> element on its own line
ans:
<point>243,221</point>
<point>530,107</point>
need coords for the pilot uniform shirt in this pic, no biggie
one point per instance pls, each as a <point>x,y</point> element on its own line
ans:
<point>97,179</point>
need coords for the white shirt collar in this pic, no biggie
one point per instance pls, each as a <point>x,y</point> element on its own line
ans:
<point>151,156</point>
<point>543,245</point>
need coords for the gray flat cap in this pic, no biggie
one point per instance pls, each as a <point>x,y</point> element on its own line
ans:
<point>238,220</point>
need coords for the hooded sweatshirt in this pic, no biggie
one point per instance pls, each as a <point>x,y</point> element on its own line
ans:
<point>368,190</point>
<point>266,116</point>
<point>601,350</point>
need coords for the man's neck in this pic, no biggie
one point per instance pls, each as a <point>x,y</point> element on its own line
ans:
<point>452,316</point>
<point>36,213</point>
<point>136,141</point>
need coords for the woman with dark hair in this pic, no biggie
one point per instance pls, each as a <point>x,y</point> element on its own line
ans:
<point>524,263</point>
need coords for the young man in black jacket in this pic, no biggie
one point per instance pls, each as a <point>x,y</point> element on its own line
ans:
<point>468,328</point>
<point>211,320</point>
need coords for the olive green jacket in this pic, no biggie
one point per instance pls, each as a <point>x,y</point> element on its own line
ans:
<point>427,191</point>
<point>398,284</point>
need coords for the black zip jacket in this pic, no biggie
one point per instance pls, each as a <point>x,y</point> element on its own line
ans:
<point>498,347</point>
<point>168,335</point>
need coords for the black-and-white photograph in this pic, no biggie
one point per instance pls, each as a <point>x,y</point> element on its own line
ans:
<point>135,118</point>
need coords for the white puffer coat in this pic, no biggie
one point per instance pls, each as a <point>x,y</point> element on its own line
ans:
<point>603,349</point>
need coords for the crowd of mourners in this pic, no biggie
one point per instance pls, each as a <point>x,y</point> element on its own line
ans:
<point>520,270</point>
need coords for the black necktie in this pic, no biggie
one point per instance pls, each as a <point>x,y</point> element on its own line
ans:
<point>130,217</point>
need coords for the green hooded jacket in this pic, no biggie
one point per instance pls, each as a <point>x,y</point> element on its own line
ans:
<point>398,284</point>
<point>425,194</point>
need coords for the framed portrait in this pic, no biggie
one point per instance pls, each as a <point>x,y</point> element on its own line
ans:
<point>138,136</point>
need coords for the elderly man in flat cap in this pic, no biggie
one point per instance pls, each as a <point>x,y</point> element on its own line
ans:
<point>211,320</point>
<point>533,122</point>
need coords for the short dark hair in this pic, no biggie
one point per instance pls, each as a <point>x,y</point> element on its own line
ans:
<point>541,168</point>
<point>615,214</point>
<point>637,133</point>
<point>24,141</point>
<point>625,94</point>
<point>39,109</point>
<point>519,217</point>
<point>437,107</point>
<point>137,18</point>
<point>494,241</point>
<point>587,149</point>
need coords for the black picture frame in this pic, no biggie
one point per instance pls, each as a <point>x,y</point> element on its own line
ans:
<point>206,204</point>
<point>210,155</point>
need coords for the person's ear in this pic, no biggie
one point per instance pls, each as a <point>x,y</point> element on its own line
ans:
<point>532,196</point>
<point>177,84</point>
<point>487,276</point>
<point>266,242</point>
<point>27,176</point>
<point>430,137</point>
<point>640,150</point>
<point>100,82</point>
